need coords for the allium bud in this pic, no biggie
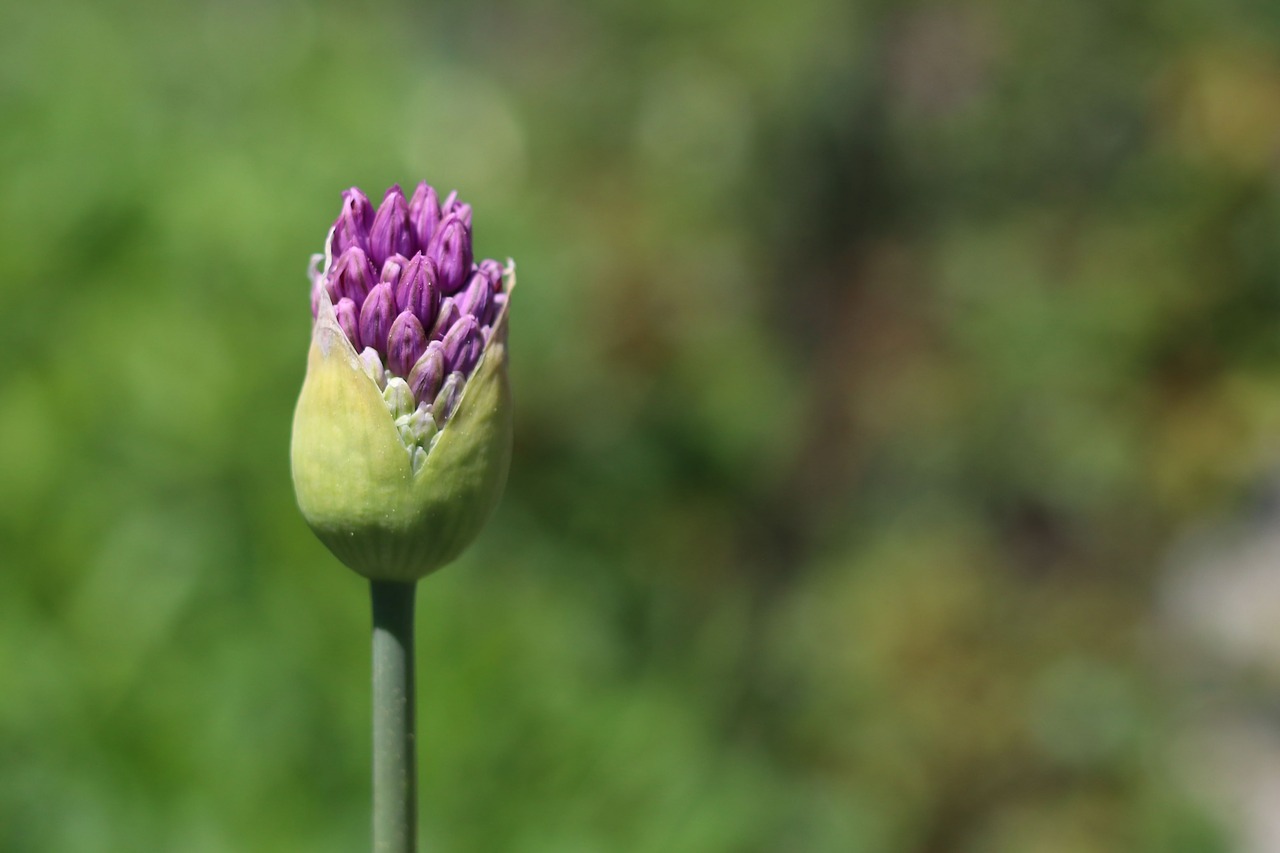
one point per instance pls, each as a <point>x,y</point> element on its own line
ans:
<point>390,235</point>
<point>476,297</point>
<point>445,318</point>
<point>392,269</point>
<point>424,213</point>
<point>417,291</point>
<point>402,437</point>
<point>405,343</point>
<point>352,276</point>
<point>427,375</point>
<point>348,320</point>
<point>462,345</point>
<point>452,205</point>
<point>451,250</point>
<point>352,227</point>
<point>376,317</point>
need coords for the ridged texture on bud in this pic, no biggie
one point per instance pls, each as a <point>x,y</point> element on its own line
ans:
<point>402,435</point>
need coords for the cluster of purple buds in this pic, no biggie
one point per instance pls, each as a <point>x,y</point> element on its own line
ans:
<point>411,300</point>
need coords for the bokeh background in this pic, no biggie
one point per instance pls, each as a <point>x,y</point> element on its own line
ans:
<point>898,392</point>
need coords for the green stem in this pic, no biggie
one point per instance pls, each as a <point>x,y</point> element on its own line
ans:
<point>395,756</point>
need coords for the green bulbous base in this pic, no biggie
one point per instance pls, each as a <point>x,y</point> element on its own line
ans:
<point>353,475</point>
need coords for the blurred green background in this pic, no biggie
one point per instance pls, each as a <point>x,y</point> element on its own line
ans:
<point>870,359</point>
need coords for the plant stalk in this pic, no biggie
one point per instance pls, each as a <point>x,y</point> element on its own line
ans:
<point>395,754</point>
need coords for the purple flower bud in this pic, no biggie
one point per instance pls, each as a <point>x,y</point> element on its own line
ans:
<point>476,299</point>
<point>352,227</point>
<point>392,269</point>
<point>448,315</point>
<point>348,320</point>
<point>405,343</point>
<point>352,276</point>
<point>463,345</point>
<point>493,271</point>
<point>424,213</point>
<point>427,375</point>
<point>452,205</point>
<point>417,290</point>
<point>389,234</point>
<point>451,250</point>
<point>376,317</point>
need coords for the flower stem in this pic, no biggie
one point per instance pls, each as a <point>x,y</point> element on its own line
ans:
<point>395,756</point>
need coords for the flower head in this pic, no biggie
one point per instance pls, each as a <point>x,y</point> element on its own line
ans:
<point>402,433</point>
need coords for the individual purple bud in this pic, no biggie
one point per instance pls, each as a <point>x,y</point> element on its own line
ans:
<point>476,298</point>
<point>492,271</point>
<point>451,250</point>
<point>352,226</point>
<point>452,205</point>
<point>376,317</point>
<point>463,345</point>
<point>392,269</point>
<point>417,290</point>
<point>427,375</point>
<point>424,213</point>
<point>352,276</point>
<point>348,320</point>
<point>445,318</point>
<point>405,343</point>
<point>390,235</point>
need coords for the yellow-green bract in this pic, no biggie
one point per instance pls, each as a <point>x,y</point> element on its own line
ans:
<point>353,476</point>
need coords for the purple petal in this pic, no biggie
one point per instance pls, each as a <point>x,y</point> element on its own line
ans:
<point>352,276</point>
<point>463,345</point>
<point>389,234</point>
<point>493,271</point>
<point>451,250</point>
<point>477,297</point>
<point>405,343</point>
<point>428,373</point>
<point>392,268</point>
<point>417,290</point>
<point>348,320</point>
<point>452,205</point>
<point>376,317</point>
<point>424,213</point>
<point>447,316</point>
<point>352,226</point>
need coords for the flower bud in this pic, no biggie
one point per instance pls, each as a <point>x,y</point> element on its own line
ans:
<point>452,205</point>
<point>348,321</point>
<point>398,397</point>
<point>352,227</point>
<point>396,468</point>
<point>372,364</point>
<point>376,317</point>
<point>405,343</point>
<point>352,276</point>
<point>424,213</point>
<point>417,291</point>
<point>427,375</point>
<point>451,250</point>
<point>392,269</point>
<point>476,298</point>
<point>390,235</point>
<point>493,271</point>
<point>447,398</point>
<point>462,345</point>
<point>445,318</point>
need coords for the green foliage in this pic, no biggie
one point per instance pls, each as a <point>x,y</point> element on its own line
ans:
<point>867,359</point>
